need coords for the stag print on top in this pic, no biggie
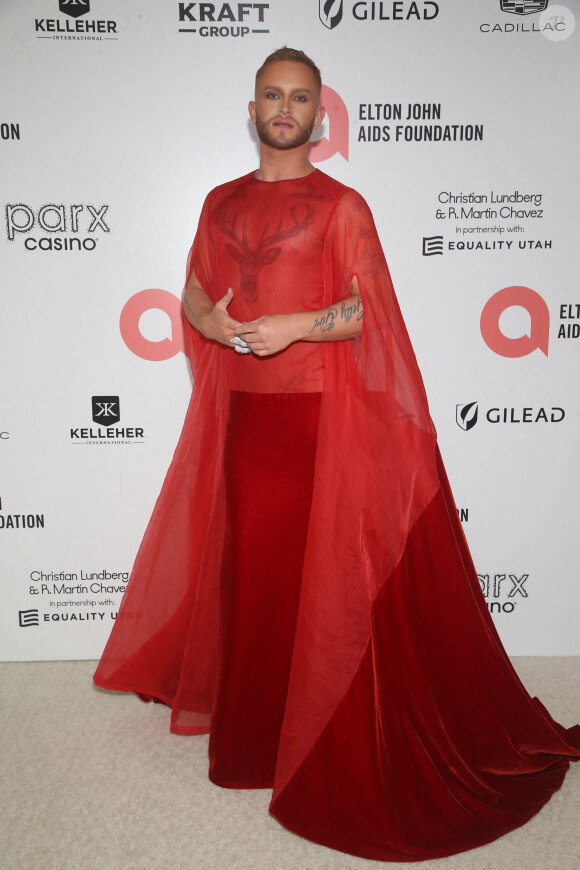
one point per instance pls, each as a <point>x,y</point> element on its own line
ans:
<point>251,253</point>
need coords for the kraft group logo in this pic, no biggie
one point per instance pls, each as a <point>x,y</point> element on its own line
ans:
<point>337,120</point>
<point>223,20</point>
<point>523,7</point>
<point>330,12</point>
<point>539,333</point>
<point>106,410</point>
<point>74,8</point>
<point>56,220</point>
<point>466,415</point>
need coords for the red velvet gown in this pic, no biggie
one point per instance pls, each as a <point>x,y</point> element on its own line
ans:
<point>304,590</point>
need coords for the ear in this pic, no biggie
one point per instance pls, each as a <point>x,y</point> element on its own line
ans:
<point>252,111</point>
<point>319,116</point>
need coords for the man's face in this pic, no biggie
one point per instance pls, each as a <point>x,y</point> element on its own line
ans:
<point>286,109</point>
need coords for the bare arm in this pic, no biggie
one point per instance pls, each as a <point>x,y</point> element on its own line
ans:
<point>211,320</point>
<point>273,332</point>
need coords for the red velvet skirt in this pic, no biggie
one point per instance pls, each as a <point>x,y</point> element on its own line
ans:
<point>270,452</point>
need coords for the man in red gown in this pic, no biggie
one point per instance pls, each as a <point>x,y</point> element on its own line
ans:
<point>304,590</point>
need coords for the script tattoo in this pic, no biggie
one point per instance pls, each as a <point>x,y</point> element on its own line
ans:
<point>348,310</point>
<point>326,321</point>
<point>355,310</point>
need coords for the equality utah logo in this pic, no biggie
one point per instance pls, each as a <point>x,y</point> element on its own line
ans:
<point>523,7</point>
<point>330,12</point>
<point>74,8</point>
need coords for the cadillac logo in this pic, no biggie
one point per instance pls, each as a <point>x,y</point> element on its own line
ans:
<point>523,7</point>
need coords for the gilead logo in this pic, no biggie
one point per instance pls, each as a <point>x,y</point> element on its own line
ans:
<point>521,297</point>
<point>131,333</point>
<point>337,116</point>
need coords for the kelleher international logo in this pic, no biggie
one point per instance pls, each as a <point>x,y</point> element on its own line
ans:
<point>80,29</point>
<point>74,8</point>
<point>56,226</point>
<point>106,410</point>
<point>106,414</point>
<point>223,20</point>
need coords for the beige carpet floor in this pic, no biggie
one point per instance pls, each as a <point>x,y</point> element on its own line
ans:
<point>93,780</point>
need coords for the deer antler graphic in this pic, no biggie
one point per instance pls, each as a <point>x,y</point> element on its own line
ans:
<point>252,259</point>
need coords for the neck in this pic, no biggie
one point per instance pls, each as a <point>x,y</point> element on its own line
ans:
<point>278,165</point>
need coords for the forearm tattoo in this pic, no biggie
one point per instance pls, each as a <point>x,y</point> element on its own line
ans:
<point>347,311</point>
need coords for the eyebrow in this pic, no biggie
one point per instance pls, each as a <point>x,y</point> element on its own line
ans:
<point>294,91</point>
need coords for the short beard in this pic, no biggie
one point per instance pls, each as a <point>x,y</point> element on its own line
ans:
<point>301,137</point>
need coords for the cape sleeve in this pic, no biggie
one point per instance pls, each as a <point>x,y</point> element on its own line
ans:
<point>375,474</point>
<point>200,259</point>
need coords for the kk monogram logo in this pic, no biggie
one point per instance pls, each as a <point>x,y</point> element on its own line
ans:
<point>106,410</point>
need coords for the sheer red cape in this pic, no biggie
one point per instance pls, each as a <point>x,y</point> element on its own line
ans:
<point>407,734</point>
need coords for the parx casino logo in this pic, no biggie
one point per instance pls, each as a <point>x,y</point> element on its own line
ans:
<point>56,226</point>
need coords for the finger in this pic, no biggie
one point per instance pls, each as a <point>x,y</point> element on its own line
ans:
<point>226,298</point>
<point>245,330</point>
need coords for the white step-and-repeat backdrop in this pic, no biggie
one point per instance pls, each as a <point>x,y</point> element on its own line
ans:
<point>459,124</point>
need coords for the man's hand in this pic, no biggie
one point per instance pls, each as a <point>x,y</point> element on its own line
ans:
<point>269,334</point>
<point>213,321</point>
